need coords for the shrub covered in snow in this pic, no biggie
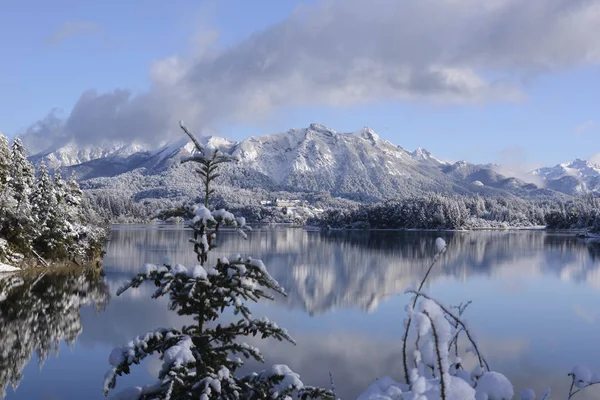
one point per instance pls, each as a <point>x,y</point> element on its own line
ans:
<point>200,361</point>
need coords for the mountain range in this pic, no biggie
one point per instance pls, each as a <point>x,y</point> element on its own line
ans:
<point>359,166</point>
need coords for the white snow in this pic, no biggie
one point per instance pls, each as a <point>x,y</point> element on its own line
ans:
<point>180,354</point>
<point>197,271</point>
<point>383,388</point>
<point>290,380</point>
<point>495,385</point>
<point>527,394</point>
<point>179,269</point>
<point>148,269</point>
<point>585,172</point>
<point>440,244</point>
<point>8,268</point>
<point>581,375</point>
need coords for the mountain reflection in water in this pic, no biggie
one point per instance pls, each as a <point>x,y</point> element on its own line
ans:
<point>533,292</point>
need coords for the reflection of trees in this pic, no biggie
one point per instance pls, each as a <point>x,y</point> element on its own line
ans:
<point>37,312</point>
<point>326,270</point>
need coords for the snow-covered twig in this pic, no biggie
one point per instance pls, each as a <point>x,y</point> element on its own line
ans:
<point>441,248</point>
<point>482,361</point>
<point>332,384</point>
<point>439,356</point>
<point>581,378</point>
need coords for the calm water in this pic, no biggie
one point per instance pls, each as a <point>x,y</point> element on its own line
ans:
<point>535,310</point>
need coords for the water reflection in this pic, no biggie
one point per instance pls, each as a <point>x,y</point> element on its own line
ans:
<point>533,293</point>
<point>326,271</point>
<point>37,312</point>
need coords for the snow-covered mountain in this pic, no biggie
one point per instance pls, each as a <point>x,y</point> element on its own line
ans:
<point>72,153</point>
<point>356,165</point>
<point>575,177</point>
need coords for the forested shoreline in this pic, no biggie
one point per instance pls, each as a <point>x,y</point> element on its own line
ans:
<point>44,218</point>
<point>460,212</point>
<point>432,212</point>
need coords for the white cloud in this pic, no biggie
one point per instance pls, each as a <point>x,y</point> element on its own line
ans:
<point>513,162</point>
<point>586,315</point>
<point>585,127</point>
<point>340,53</point>
<point>595,158</point>
<point>71,29</point>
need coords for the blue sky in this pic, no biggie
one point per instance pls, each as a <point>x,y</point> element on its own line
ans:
<point>462,80</point>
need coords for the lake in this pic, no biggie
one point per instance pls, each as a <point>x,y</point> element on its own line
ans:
<point>535,309</point>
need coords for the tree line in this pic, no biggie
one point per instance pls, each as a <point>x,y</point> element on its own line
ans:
<point>437,211</point>
<point>41,215</point>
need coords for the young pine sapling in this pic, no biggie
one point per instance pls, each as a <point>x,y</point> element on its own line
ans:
<point>201,361</point>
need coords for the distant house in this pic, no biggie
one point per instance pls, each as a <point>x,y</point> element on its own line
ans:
<point>290,203</point>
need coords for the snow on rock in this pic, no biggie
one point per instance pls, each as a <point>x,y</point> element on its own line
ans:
<point>8,268</point>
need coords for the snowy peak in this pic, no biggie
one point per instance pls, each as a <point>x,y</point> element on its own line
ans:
<point>420,154</point>
<point>318,128</point>
<point>72,153</point>
<point>368,134</point>
<point>581,168</point>
<point>319,158</point>
<point>574,177</point>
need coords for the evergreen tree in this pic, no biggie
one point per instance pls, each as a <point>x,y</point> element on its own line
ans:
<point>23,177</point>
<point>200,361</point>
<point>43,198</point>
<point>4,162</point>
<point>49,220</point>
<point>7,203</point>
<point>18,226</point>
<point>73,198</point>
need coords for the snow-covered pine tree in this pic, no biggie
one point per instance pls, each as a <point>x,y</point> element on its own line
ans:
<point>73,198</point>
<point>4,162</point>
<point>7,201</point>
<point>20,223</point>
<point>6,197</point>
<point>200,361</point>
<point>48,219</point>
<point>83,242</point>
<point>23,175</point>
